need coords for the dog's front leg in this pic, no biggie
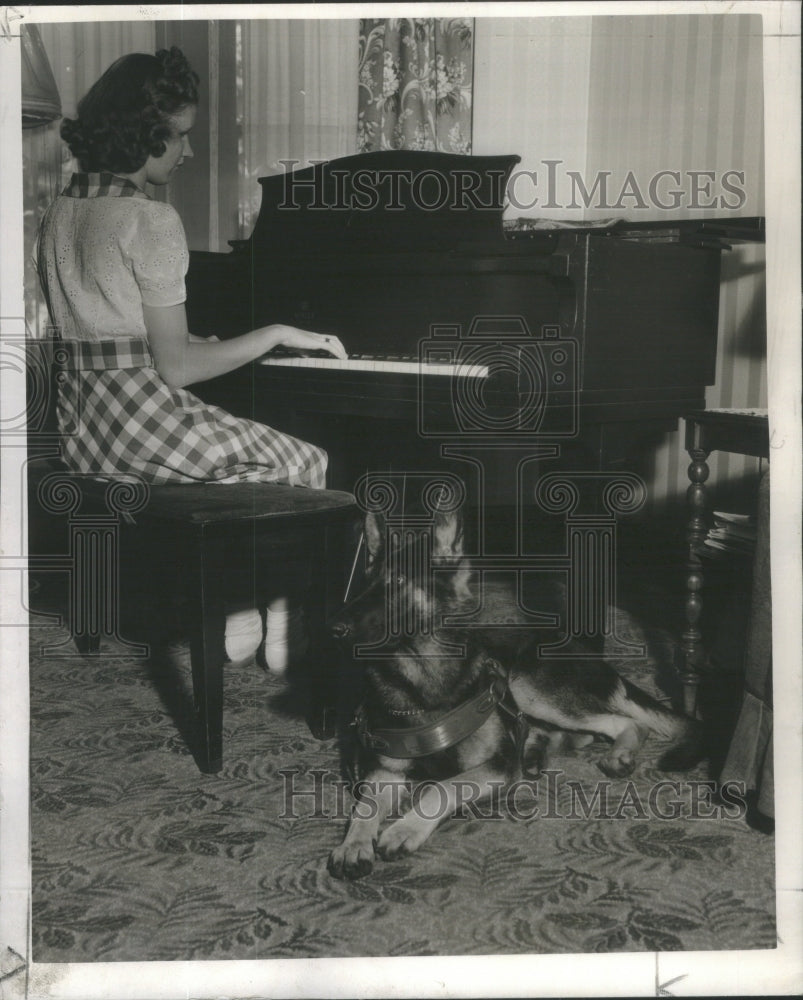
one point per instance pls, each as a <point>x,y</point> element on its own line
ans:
<point>439,800</point>
<point>379,793</point>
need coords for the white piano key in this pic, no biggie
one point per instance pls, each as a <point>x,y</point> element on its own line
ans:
<point>378,365</point>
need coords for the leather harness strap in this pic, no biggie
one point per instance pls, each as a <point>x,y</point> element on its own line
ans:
<point>449,728</point>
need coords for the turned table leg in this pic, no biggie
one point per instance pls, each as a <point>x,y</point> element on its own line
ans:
<point>692,640</point>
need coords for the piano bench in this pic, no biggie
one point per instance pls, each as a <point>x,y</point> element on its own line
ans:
<point>192,532</point>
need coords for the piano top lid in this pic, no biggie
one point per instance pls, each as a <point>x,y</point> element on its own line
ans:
<point>393,199</point>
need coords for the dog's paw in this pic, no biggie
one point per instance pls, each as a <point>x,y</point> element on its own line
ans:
<point>617,764</point>
<point>399,840</point>
<point>351,861</point>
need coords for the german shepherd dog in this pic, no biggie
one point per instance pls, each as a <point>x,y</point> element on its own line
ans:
<point>453,714</point>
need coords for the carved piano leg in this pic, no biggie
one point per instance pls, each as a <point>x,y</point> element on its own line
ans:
<point>694,653</point>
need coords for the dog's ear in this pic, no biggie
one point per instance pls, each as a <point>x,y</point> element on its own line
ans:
<point>448,535</point>
<point>374,539</point>
<point>448,545</point>
<point>461,580</point>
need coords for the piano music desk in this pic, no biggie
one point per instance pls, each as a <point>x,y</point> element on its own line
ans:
<point>741,432</point>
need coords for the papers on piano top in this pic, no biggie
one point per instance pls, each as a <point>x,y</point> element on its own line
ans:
<point>732,533</point>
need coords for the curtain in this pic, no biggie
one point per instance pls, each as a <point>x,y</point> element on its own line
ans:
<point>297,102</point>
<point>41,103</point>
<point>415,84</point>
<point>78,54</point>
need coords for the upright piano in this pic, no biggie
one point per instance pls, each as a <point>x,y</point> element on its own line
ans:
<point>461,331</point>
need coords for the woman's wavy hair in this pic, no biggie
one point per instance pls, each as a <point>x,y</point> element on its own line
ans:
<point>122,119</point>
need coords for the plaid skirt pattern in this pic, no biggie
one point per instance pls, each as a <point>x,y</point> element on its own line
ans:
<point>118,418</point>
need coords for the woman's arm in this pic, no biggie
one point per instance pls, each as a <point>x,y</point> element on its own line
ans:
<point>181,359</point>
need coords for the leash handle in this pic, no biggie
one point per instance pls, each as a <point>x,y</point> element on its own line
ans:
<point>353,569</point>
<point>520,727</point>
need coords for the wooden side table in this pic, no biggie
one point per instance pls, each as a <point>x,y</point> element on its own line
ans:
<point>743,432</point>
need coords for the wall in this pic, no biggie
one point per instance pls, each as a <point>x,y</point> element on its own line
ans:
<point>531,97</point>
<point>679,92</point>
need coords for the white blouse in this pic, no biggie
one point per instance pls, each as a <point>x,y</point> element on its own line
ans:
<point>102,257</point>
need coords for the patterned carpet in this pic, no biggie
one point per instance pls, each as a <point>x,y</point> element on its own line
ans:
<point>137,856</point>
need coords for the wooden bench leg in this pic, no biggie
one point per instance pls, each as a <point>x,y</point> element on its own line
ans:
<point>325,692</point>
<point>320,710</point>
<point>87,645</point>
<point>207,646</point>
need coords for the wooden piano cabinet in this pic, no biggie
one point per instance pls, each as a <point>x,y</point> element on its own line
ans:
<point>740,432</point>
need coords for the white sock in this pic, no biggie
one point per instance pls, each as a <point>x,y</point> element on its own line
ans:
<point>285,639</point>
<point>243,634</point>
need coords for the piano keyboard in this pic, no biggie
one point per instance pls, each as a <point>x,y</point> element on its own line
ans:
<point>365,363</point>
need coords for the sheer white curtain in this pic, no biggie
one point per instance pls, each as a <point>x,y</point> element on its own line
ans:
<point>78,54</point>
<point>297,98</point>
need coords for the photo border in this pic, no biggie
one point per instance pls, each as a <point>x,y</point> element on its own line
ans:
<point>682,973</point>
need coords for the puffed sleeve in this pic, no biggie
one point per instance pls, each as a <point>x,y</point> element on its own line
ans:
<point>159,255</point>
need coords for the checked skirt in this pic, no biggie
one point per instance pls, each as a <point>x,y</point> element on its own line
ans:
<point>118,418</point>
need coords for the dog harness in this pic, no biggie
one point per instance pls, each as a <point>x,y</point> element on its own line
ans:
<point>451,727</point>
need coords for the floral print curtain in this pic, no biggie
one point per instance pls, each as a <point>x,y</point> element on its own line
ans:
<point>415,84</point>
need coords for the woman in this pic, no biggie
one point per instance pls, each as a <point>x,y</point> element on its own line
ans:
<point>112,264</point>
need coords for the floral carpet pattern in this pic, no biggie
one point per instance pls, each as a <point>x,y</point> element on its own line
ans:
<point>138,856</point>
